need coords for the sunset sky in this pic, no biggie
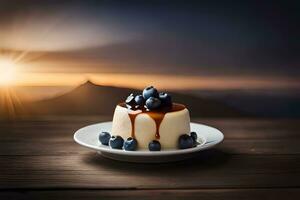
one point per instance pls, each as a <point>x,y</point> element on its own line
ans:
<point>207,45</point>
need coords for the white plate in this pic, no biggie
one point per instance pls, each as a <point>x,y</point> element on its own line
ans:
<point>88,137</point>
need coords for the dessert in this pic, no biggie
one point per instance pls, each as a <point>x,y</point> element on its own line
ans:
<point>150,121</point>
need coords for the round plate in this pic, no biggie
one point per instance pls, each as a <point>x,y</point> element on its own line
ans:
<point>88,137</point>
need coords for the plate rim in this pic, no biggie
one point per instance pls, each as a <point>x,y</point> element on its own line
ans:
<point>122,152</point>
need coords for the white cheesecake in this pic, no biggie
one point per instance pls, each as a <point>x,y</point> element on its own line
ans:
<point>164,125</point>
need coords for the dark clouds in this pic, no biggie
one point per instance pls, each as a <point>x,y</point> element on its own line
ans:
<point>212,37</point>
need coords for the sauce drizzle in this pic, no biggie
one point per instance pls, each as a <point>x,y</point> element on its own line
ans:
<point>157,115</point>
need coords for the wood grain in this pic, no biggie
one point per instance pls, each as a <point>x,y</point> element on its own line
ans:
<point>213,194</point>
<point>211,169</point>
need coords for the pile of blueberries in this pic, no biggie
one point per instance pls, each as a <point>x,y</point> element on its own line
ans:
<point>150,99</point>
<point>185,141</point>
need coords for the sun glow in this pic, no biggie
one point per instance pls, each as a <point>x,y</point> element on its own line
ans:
<point>7,71</point>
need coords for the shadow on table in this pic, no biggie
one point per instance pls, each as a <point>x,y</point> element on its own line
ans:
<point>208,159</point>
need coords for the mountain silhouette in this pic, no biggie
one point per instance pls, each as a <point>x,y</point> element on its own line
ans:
<point>91,99</point>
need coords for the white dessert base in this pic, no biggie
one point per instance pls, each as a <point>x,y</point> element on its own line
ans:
<point>172,126</point>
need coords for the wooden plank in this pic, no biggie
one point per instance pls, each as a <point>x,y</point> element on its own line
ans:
<point>214,194</point>
<point>211,169</point>
<point>233,129</point>
<point>66,146</point>
<point>241,137</point>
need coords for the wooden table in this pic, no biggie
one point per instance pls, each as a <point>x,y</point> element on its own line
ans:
<point>259,159</point>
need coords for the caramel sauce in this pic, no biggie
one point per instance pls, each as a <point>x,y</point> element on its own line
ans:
<point>157,115</point>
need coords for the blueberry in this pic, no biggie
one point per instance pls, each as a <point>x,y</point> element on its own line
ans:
<point>165,99</point>
<point>153,103</point>
<point>116,142</point>
<point>139,100</point>
<point>130,99</point>
<point>130,144</point>
<point>154,146</point>
<point>185,141</point>
<point>104,137</point>
<point>150,92</point>
<point>194,136</point>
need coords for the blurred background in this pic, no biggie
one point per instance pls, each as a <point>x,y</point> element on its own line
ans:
<point>221,59</point>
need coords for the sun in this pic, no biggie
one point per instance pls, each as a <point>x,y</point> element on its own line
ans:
<point>7,72</point>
